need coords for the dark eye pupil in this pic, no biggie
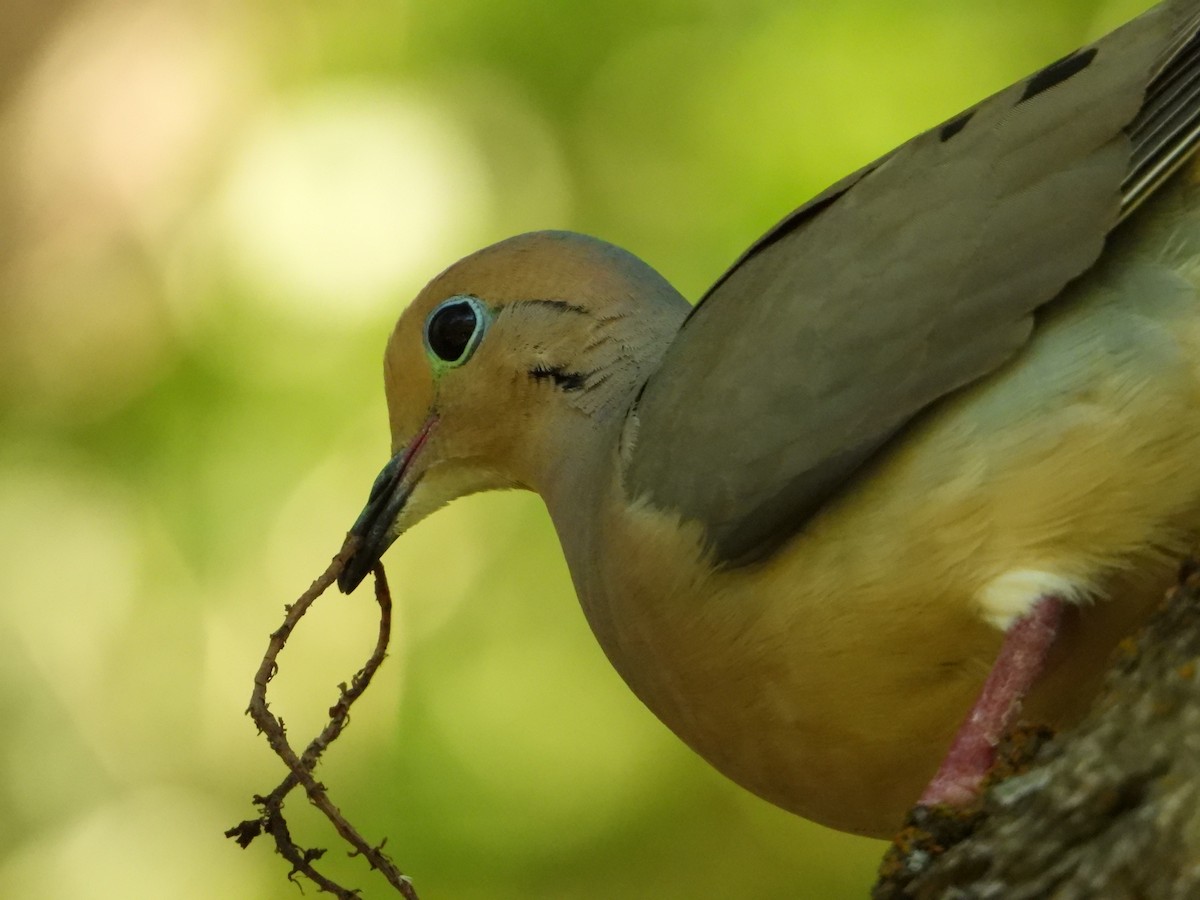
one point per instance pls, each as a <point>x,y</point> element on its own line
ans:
<point>450,330</point>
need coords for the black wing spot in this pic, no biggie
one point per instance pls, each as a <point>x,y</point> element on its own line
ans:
<point>954,126</point>
<point>1058,72</point>
<point>783,229</point>
<point>798,218</point>
<point>563,379</point>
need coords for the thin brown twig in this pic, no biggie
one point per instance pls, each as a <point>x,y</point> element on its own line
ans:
<point>300,768</point>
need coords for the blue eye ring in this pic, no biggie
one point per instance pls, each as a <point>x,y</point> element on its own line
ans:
<point>453,330</point>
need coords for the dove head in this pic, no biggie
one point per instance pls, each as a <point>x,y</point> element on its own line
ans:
<point>508,368</point>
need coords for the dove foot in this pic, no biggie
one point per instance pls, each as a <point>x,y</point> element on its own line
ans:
<point>1022,655</point>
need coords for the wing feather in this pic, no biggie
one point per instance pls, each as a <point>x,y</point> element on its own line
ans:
<point>904,282</point>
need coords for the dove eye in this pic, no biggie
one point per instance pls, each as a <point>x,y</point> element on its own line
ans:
<point>454,328</point>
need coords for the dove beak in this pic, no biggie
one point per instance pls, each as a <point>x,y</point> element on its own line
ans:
<point>374,527</point>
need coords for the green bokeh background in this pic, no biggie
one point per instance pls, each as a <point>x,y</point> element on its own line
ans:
<point>211,212</point>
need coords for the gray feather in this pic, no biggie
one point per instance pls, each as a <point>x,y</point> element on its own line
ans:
<point>904,282</point>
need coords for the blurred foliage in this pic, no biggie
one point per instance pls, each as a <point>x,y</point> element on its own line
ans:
<point>210,214</point>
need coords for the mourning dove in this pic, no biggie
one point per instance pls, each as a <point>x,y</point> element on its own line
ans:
<point>942,421</point>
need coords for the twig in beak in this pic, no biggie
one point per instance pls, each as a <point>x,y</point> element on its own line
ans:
<point>300,767</point>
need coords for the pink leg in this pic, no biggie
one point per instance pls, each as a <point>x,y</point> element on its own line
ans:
<point>1022,655</point>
